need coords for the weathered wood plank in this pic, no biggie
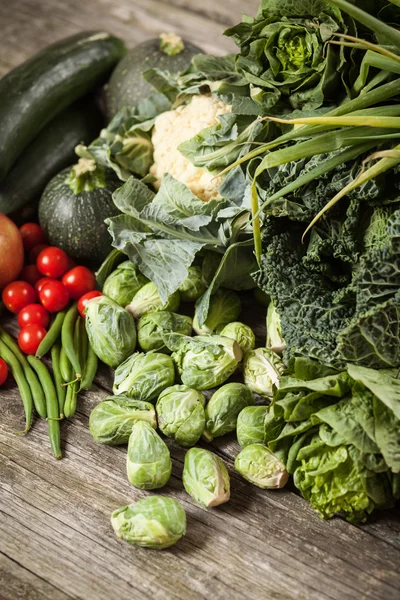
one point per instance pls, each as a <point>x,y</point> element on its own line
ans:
<point>42,22</point>
<point>18,583</point>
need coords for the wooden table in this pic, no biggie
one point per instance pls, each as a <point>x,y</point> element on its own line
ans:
<point>56,542</point>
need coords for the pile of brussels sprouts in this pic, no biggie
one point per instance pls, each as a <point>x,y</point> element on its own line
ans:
<point>161,372</point>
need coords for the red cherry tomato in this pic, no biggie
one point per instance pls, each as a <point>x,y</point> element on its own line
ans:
<point>30,337</point>
<point>52,262</point>
<point>30,274</point>
<point>83,300</point>
<point>3,371</point>
<point>34,253</point>
<point>54,296</point>
<point>79,281</point>
<point>39,284</point>
<point>33,314</point>
<point>32,235</point>
<point>17,295</point>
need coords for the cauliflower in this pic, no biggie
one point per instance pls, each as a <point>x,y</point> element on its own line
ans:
<point>176,126</point>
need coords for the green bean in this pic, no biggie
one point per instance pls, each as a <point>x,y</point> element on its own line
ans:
<point>72,392</point>
<point>23,386</point>
<point>90,370</point>
<point>61,391</point>
<point>65,366</point>
<point>83,344</point>
<point>53,420</point>
<point>71,400</point>
<point>52,335</point>
<point>67,338</point>
<point>39,400</point>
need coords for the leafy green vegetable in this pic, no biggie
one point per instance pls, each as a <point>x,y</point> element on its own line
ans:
<point>123,283</point>
<point>262,369</point>
<point>258,465</point>
<point>111,421</point>
<point>274,340</point>
<point>203,362</point>
<point>223,409</point>
<point>193,287</point>
<point>125,145</point>
<point>147,300</point>
<point>163,233</point>
<point>250,428</point>
<point>240,332</point>
<point>154,325</point>
<point>148,463</point>
<point>285,57</point>
<point>206,477</point>
<point>336,483</point>
<point>224,307</point>
<point>144,376</point>
<point>180,413</point>
<point>111,330</point>
<point>153,522</point>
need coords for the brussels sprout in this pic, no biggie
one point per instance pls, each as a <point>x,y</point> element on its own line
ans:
<point>144,376</point>
<point>147,300</point>
<point>258,465</point>
<point>224,407</point>
<point>148,464</point>
<point>203,362</point>
<point>224,307</point>
<point>111,421</point>
<point>123,283</point>
<point>206,478</point>
<point>154,522</point>
<point>193,287</point>
<point>275,340</point>
<point>152,326</point>
<point>240,332</point>
<point>262,369</point>
<point>180,412</point>
<point>111,330</point>
<point>250,425</point>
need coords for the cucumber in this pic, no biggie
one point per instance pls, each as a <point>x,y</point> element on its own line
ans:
<point>35,92</point>
<point>51,151</point>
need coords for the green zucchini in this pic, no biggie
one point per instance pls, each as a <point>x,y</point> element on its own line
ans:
<point>127,86</point>
<point>51,151</point>
<point>73,207</point>
<point>32,94</point>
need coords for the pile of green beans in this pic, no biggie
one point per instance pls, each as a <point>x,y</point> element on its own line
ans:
<point>74,365</point>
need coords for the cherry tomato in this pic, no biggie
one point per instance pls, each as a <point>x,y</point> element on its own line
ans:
<point>79,281</point>
<point>30,337</point>
<point>17,295</point>
<point>3,371</point>
<point>33,314</point>
<point>30,274</point>
<point>34,253</point>
<point>83,300</point>
<point>32,235</point>
<point>52,262</point>
<point>42,282</point>
<point>54,296</point>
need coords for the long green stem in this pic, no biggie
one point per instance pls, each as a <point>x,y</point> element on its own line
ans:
<point>380,167</point>
<point>380,28</point>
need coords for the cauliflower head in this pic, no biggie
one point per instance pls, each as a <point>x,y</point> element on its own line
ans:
<point>176,126</point>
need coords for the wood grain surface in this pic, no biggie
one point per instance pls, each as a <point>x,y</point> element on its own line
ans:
<point>56,541</point>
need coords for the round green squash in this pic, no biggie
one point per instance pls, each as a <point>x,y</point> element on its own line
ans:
<point>73,207</point>
<point>127,86</point>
